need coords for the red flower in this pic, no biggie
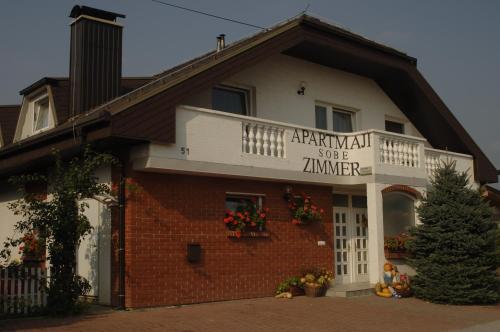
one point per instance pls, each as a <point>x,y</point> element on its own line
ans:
<point>235,222</point>
<point>253,224</point>
<point>238,234</point>
<point>226,220</point>
<point>321,211</point>
<point>262,215</point>
<point>266,209</point>
<point>295,222</point>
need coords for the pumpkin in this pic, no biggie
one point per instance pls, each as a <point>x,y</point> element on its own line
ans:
<point>386,291</point>
<point>382,294</point>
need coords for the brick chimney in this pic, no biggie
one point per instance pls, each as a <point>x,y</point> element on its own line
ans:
<point>95,67</point>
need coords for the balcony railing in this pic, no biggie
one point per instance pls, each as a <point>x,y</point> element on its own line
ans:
<point>209,141</point>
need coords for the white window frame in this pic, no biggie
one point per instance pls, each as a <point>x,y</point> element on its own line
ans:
<point>330,108</point>
<point>248,91</point>
<point>36,107</point>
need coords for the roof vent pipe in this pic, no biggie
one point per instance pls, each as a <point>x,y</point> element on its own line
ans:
<point>221,42</point>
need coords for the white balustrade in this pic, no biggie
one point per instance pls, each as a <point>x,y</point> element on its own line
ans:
<point>398,151</point>
<point>263,139</point>
<point>432,161</point>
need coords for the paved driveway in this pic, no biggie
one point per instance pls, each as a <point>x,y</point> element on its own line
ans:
<point>302,314</point>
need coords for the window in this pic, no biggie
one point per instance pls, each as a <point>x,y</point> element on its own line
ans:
<point>340,200</point>
<point>235,202</point>
<point>342,121</point>
<point>334,119</point>
<point>41,115</point>
<point>395,127</point>
<point>231,100</point>
<point>359,202</point>
<point>321,117</point>
<point>399,213</point>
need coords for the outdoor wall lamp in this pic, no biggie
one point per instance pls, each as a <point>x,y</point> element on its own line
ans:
<point>301,91</point>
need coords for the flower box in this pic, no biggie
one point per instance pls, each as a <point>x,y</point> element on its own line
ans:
<point>391,254</point>
<point>248,234</point>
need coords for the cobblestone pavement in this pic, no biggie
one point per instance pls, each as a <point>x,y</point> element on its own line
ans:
<point>369,313</point>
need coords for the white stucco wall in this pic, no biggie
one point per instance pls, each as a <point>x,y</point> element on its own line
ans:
<point>94,254</point>
<point>7,218</point>
<point>275,82</point>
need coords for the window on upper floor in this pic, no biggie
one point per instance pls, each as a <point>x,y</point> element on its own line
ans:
<point>231,100</point>
<point>41,115</point>
<point>394,127</point>
<point>333,118</point>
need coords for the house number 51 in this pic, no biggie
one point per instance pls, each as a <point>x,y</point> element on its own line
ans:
<point>184,150</point>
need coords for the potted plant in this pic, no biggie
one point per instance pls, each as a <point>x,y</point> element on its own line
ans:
<point>293,285</point>
<point>316,282</point>
<point>396,247</point>
<point>303,210</point>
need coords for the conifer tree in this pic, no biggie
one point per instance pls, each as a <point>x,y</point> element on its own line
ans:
<point>453,248</point>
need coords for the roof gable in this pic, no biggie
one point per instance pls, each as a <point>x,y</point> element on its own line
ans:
<point>312,40</point>
<point>303,37</point>
<point>8,122</point>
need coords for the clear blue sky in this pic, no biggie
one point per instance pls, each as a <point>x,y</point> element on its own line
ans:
<point>457,43</point>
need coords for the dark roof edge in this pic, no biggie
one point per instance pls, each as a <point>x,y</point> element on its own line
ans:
<point>41,82</point>
<point>10,105</point>
<point>332,28</point>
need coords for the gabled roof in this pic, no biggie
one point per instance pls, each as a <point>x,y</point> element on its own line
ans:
<point>8,120</point>
<point>147,113</point>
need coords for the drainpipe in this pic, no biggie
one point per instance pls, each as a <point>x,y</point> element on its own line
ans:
<point>121,239</point>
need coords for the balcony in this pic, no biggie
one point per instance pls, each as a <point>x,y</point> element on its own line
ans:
<point>212,142</point>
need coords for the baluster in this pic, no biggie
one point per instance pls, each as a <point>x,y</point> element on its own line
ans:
<point>245,138</point>
<point>272,139</point>
<point>416,155</point>
<point>265,139</point>
<point>258,139</point>
<point>251,139</point>
<point>412,155</point>
<point>280,143</point>
<point>385,151</point>
<point>406,154</point>
<point>400,153</point>
<point>390,148</point>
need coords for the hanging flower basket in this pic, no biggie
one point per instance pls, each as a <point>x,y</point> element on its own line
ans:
<point>303,210</point>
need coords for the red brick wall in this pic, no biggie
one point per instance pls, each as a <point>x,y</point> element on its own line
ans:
<point>170,211</point>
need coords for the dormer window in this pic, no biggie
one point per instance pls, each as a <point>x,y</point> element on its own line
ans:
<point>41,115</point>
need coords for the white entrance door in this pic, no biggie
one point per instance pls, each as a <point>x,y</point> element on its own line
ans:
<point>350,244</point>
<point>360,240</point>
<point>342,245</point>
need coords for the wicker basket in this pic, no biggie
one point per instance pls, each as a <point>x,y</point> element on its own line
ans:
<point>315,291</point>
<point>403,292</point>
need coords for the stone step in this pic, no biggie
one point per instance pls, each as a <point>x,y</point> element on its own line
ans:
<point>350,290</point>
